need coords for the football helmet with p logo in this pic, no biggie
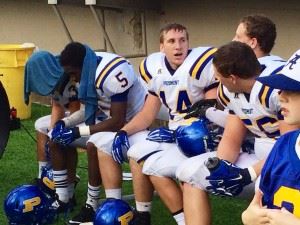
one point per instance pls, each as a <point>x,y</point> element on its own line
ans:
<point>114,212</point>
<point>28,205</point>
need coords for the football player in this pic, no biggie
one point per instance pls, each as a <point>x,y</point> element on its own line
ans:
<point>102,76</point>
<point>253,107</point>
<point>176,77</point>
<point>259,32</point>
<point>280,175</point>
<point>45,76</point>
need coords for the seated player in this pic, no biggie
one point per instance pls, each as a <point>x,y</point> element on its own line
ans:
<point>253,107</point>
<point>107,82</point>
<point>45,76</point>
<point>176,77</point>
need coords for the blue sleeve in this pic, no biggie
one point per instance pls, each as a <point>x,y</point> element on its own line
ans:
<point>121,97</point>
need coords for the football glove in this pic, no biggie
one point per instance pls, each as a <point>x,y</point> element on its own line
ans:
<point>162,134</point>
<point>226,179</point>
<point>120,147</point>
<point>67,136</point>
<point>199,108</point>
<point>57,129</point>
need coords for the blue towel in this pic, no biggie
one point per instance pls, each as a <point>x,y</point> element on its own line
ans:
<point>87,88</point>
<point>42,73</point>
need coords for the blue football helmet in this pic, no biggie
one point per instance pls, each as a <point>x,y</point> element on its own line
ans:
<point>114,212</point>
<point>194,137</point>
<point>47,183</point>
<point>28,205</point>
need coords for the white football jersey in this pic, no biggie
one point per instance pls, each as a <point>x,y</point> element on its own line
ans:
<point>115,75</point>
<point>259,110</point>
<point>183,87</point>
<point>270,64</point>
<point>70,93</point>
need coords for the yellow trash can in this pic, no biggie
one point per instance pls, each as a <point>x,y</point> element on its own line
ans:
<point>13,58</point>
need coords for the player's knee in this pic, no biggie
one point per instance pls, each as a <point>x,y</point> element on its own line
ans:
<point>91,149</point>
<point>41,128</point>
<point>184,172</point>
<point>135,153</point>
<point>102,155</point>
<point>153,167</point>
<point>149,170</point>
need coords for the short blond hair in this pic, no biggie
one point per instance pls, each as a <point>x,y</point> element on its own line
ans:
<point>172,26</point>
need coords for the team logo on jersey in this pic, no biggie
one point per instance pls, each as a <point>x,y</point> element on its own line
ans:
<point>171,82</point>
<point>159,71</point>
<point>247,111</point>
<point>293,61</point>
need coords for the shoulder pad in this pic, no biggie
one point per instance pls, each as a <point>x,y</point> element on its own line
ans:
<point>107,69</point>
<point>205,56</point>
<point>149,64</point>
<point>222,96</point>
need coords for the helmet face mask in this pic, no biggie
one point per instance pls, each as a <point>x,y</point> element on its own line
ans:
<point>28,205</point>
<point>194,138</point>
<point>114,212</point>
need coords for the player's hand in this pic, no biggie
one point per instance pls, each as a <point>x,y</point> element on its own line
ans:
<point>57,129</point>
<point>162,134</point>
<point>226,179</point>
<point>120,147</point>
<point>256,214</point>
<point>199,108</point>
<point>282,216</point>
<point>67,136</point>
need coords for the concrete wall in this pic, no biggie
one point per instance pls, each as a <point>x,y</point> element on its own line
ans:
<point>210,22</point>
<point>213,22</point>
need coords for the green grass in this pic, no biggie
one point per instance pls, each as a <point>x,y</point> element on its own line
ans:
<point>19,166</point>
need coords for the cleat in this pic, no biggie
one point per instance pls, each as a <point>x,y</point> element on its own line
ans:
<point>141,218</point>
<point>61,207</point>
<point>72,203</point>
<point>85,215</point>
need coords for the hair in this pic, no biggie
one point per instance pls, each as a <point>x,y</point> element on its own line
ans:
<point>263,29</point>
<point>73,55</point>
<point>238,59</point>
<point>172,26</point>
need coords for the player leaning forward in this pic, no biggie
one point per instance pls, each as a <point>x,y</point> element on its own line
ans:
<point>253,107</point>
<point>107,84</point>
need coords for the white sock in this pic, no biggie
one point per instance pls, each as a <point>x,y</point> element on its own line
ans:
<point>179,218</point>
<point>71,188</point>
<point>60,178</point>
<point>93,196</point>
<point>41,165</point>
<point>143,206</point>
<point>113,193</point>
